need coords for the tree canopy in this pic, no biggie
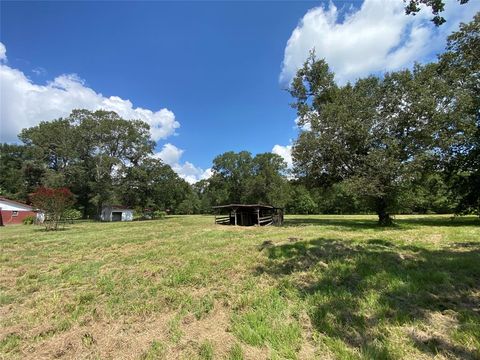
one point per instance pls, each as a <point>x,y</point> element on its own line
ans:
<point>379,135</point>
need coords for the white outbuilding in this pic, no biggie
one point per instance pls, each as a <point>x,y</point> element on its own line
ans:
<point>116,213</point>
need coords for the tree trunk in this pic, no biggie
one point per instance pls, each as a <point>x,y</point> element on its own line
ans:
<point>384,218</point>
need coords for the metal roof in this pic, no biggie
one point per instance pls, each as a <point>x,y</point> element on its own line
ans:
<point>244,206</point>
<point>18,203</point>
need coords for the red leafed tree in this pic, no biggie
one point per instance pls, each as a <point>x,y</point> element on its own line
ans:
<point>53,202</point>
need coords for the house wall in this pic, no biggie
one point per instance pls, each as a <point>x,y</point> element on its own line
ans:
<point>9,219</point>
<point>7,209</point>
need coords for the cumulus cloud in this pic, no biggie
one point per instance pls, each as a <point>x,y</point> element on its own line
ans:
<point>3,52</point>
<point>171,155</point>
<point>190,173</point>
<point>285,152</point>
<point>377,37</point>
<point>25,104</point>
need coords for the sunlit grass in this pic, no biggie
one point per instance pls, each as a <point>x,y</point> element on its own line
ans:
<point>182,287</point>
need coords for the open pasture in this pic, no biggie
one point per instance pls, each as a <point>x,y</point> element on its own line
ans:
<point>326,287</point>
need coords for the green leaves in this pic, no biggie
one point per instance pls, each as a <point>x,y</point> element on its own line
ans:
<point>241,178</point>
<point>380,134</point>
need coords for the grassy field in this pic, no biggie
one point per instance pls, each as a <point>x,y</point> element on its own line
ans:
<point>326,287</point>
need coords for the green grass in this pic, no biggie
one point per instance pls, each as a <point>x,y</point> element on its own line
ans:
<point>319,287</point>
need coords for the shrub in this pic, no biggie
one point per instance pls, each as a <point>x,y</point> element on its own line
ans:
<point>72,214</point>
<point>53,202</point>
<point>29,220</point>
<point>159,214</point>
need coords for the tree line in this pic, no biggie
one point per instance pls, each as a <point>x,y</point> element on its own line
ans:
<point>406,141</point>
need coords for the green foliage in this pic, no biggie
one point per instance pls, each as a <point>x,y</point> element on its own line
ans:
<point>19,175</point>
<point>190,205</point>
<point>437,7</point>
<point>158,214</point>
<point>340,198</point>
<point>241,178</point>
<point>72,214</point>
<point>379,136</point>
<point>301,202</point>
<point>28,220</point>
<point>459,66</point>
<point>53,202</point>
<point>375,151</point>
<point>87,151</point>
<point>152,184</point>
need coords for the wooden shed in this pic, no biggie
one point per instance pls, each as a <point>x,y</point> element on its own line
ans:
<point>248,215</point>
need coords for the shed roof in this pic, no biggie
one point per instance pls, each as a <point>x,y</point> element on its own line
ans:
<point>117,207</point>
<point>244,206</point>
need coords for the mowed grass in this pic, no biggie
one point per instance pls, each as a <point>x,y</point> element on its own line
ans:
<point>326,287</point>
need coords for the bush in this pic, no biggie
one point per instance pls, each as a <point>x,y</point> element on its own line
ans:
<point>53,202</point>
<point>159,214</point>
<point>72,214</point>
<point>29,220</point>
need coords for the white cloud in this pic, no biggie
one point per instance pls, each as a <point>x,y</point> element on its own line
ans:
<point>3,52</point>
<point>171,155</point>
<point>285,152</point>
<point>375,38</point>
<point>305,127</point>
<point>191,173</point>
<point>25,104</point>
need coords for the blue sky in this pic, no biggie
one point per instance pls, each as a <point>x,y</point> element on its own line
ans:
<point>208,76</point>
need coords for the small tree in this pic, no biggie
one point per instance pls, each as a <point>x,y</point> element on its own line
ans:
<point>53,202</point>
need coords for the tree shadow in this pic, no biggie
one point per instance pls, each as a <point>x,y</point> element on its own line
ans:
<point>453,221</point>
<point>399,223</point>
<point>352,224</point>
<point>405,284</point>
<point>42,229</point>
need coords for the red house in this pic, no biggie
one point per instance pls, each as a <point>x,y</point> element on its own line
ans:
<point>13,212</point>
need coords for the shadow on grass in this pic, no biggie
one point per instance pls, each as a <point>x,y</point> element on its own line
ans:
<point>352,224</point>
<point>354,290</point>
<point>362,224</point>
<point>42,229</point>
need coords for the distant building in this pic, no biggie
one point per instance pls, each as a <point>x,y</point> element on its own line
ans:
<point>116,213</point>
<point>13,212</point>
<point>248,215</point>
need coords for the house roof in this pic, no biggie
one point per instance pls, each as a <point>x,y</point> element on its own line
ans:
<point>14,202</point>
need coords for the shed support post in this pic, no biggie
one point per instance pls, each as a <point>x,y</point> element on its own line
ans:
<point>235,214</point>
<point>258,216</point>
